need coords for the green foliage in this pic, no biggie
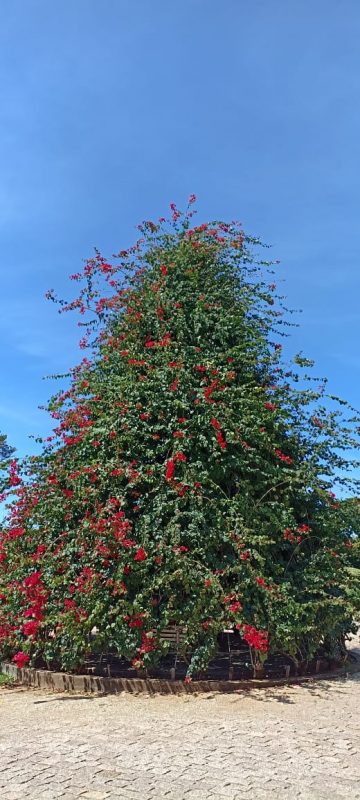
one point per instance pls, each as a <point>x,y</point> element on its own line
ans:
<point>5,449</point>
<point>6,452</point>
<point>191,472</point>
<point>6,680</point>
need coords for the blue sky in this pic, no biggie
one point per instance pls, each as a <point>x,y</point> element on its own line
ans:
<point>111,109</point>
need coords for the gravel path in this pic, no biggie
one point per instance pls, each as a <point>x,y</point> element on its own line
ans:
<point>297,742</point>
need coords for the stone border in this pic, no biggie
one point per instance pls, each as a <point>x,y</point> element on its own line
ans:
<point>96,685</point>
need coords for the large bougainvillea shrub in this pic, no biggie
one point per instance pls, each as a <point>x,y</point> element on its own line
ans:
<point>190,476</point>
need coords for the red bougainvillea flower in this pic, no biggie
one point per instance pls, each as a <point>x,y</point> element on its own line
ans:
<point>288,535</point>
<point>69,605</point>
<point>210,390</point>
<point>256,638</point>
<point>148,642</point>
<point>33,580</point>
<point>140,554</point>
<point>229,597</point>
<point>165,341</point>
<point>215,423</point>
<point>219,435</point>
<point>137,663</point>
<point>180,456</point>
<point>270,406</point>
<point>14,533</point>
<point>235,607</point>
<point>21,659</point>
<point>34,611</point>
<point>30,628</point>
<point>181,489</point>
<point>317,422</point>
<point>170,469</point>
<point>135,622</point>
<point>282,457</point>
<point>136,362</point>
<point>261,582</point>
<point>220,440</point>
<point>127,543</point>
<point>14,477</point>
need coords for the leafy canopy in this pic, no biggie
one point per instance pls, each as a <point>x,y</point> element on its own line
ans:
<point>190,477</point>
